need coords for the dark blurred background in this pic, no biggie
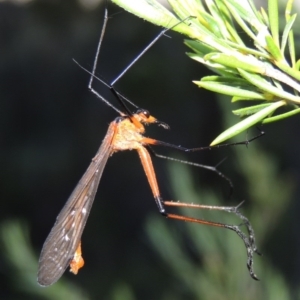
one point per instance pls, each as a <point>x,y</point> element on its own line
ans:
<point>51,127</point>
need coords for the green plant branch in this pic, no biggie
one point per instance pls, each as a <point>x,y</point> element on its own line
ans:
<point>266,72</point>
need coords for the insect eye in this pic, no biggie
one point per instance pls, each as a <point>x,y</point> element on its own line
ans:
<point>119,119</point>
<point>145,112</point>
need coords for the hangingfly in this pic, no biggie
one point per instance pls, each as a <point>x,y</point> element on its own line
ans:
<point>62,247</point>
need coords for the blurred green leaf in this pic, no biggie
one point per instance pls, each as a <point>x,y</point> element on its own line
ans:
<point>274,20</point>
<point>230,86</point>
<point>242,112</point>
<point>286,32</point>
<point>263,84</point>
<point>274,49</point>
<point>247,123</point>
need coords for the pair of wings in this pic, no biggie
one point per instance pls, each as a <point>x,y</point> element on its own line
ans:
<point>65,236</point>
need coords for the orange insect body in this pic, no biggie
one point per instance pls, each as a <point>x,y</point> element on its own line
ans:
<point>63,246</point>
<point>129,135</point>
<point>129,131</point>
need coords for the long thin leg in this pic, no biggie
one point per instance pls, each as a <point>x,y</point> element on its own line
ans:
<point>207,167</point>
<point>139,56</point>
<point>150,141</point>
<point>118,95</point>
<point>249,240</point>
<point>90,86</point>
<point>145,50</point>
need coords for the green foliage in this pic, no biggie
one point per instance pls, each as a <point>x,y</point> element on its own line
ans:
<point>267,70</point>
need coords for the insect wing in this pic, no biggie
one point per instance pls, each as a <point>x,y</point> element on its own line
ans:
<point>65,236</point>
